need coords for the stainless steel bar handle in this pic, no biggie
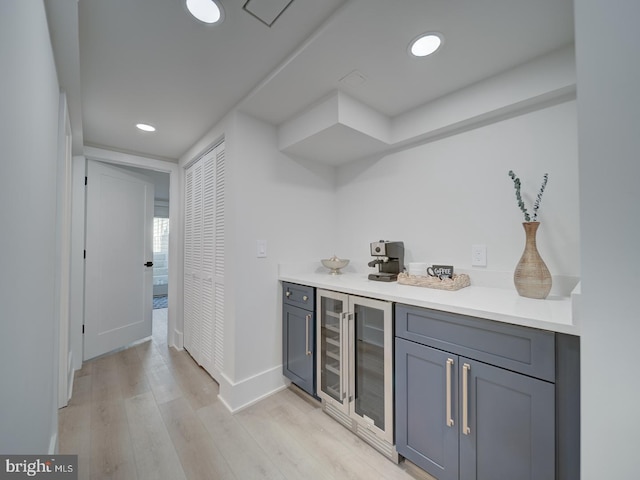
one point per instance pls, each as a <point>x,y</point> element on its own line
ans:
<point>465,399</point>
<point>307,318</point>
<point>343,392</point>
<point>351,342</point>
<point>449,419</point>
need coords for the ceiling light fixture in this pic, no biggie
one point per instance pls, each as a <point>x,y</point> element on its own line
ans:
<point>146,127</point>
<point>425,44</point>
<point>207,11</point>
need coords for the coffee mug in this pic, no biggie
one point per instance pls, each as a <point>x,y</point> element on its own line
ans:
<point>441,271</point>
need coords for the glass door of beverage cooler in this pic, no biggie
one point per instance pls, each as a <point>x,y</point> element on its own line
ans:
<point>371,361</point>
<point>332,348</point>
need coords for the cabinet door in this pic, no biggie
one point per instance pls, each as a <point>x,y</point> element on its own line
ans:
<point>298,344</point>
<point>332,348</point>
<point>510,420</point>
<point>371,365</point>
<point>426,408</point>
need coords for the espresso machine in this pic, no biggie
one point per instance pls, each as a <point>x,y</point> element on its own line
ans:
<point>389,259</point>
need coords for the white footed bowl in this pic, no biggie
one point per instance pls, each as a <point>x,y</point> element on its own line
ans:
<point>334,264</point>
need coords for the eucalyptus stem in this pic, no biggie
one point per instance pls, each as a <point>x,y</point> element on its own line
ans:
<point>516,183</point>
<point>539,198</point>
<point>536,205</point>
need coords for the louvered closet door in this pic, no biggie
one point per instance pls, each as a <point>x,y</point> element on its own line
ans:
<point>204,260</point>
<point>208,252</point>
<point>219,271</point>
<point>188,259</point>
<point>192,260</point>
<point>212,297</point>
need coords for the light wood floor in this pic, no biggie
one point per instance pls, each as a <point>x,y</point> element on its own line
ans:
<point>149,412</point>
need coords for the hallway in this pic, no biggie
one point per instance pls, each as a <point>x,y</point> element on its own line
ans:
<point>149,412</point>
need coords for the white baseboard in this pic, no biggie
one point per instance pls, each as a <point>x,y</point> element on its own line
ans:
<point>70,377</point>
<point>178,339</point>
<point>237,396</point>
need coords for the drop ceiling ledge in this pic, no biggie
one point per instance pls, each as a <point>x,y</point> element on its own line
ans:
<point>339,129</point>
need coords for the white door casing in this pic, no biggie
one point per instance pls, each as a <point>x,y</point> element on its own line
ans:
<point>118,291</point>
<point>63,248</point>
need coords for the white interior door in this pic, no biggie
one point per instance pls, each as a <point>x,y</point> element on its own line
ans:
<point>118,289</point>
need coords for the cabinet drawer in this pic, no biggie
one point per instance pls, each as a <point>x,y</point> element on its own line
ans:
<point>520,349</point>
<point>301,296</point>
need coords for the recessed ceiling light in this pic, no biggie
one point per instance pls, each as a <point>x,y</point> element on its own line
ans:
<point>207,11</point>
<point>425,44</point>
<point>146,127</point>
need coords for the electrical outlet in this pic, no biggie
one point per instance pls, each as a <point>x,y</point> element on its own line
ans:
<point>479,255</point>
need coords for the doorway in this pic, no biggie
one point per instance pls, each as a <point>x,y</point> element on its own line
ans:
<point>161,234</point>
<point>171,173</point>
<point>160,262</point>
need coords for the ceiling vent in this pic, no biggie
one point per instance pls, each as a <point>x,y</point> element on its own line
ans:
<point>267,11</point>
<point>353,79</point>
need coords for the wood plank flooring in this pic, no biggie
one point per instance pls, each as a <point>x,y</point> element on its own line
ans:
<point>149,412</point>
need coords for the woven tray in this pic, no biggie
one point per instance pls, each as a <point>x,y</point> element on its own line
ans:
<point>455,283</point>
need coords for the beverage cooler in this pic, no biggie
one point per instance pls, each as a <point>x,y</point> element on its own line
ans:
<point>354,365</point>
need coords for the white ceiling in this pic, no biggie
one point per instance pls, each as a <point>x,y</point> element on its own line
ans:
<point>148,61</point>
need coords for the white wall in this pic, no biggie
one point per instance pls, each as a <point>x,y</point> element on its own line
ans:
<point>29,143</point>
<point>609,142</point>
<point>289,204</point>
<point>308,210</point>
<point>442,197</point>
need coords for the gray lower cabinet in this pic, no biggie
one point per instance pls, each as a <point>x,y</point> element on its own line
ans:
<point>461,418</point>
<point>298,336</point>
<point>511,426</point>
<point>423,434</point>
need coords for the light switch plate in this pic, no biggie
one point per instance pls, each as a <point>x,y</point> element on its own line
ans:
<point>261,248</point>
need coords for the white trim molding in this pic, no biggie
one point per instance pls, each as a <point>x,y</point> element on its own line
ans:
<point>237,396</point>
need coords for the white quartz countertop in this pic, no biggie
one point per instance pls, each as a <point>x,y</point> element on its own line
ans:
<point>555,313</point>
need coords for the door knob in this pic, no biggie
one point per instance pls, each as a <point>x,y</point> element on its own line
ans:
<point>148,264</point>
